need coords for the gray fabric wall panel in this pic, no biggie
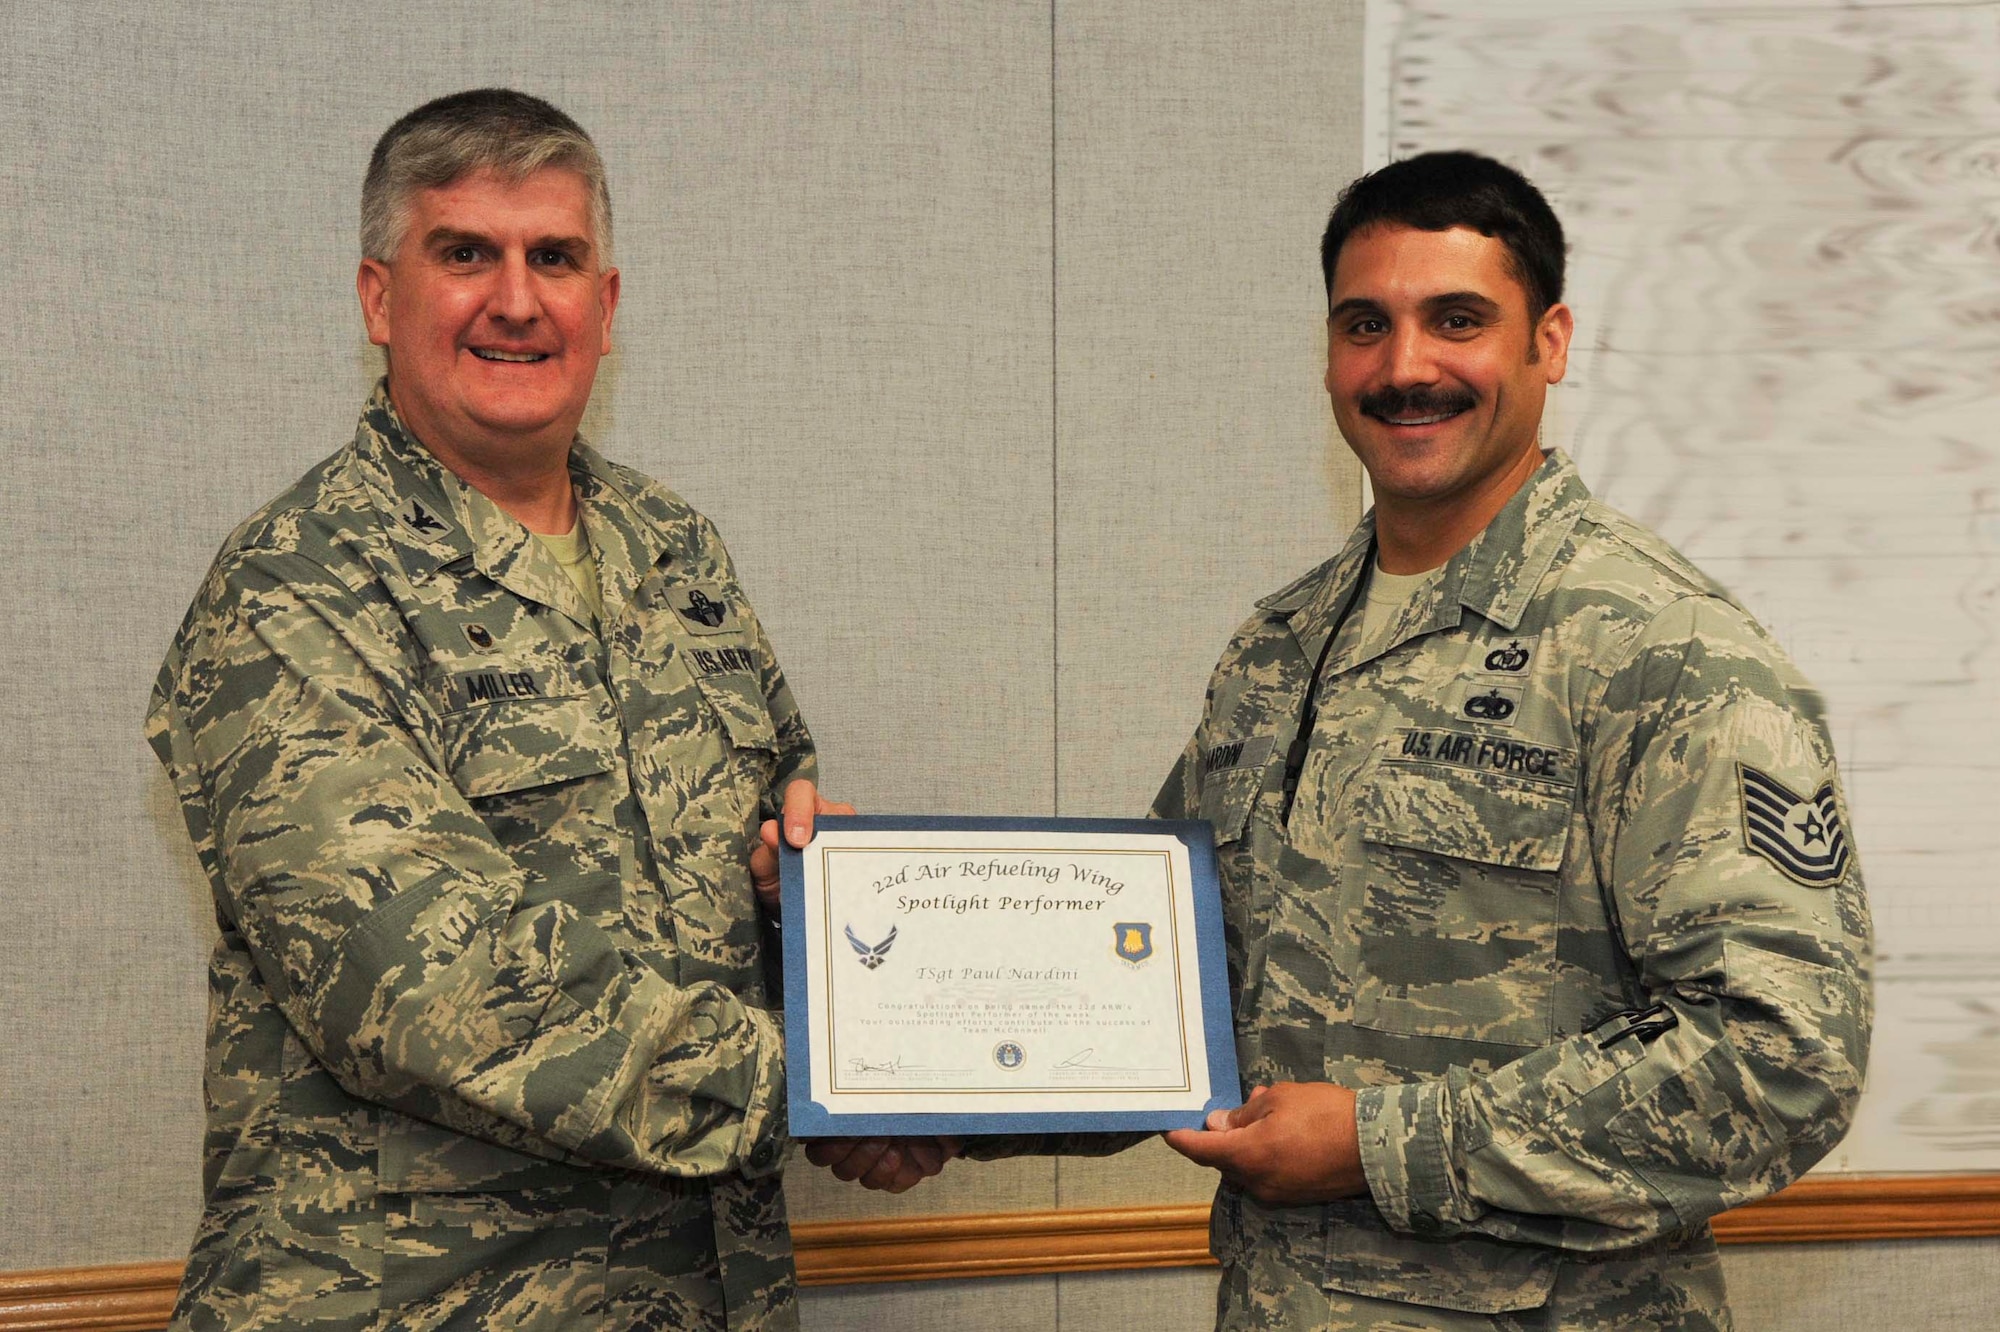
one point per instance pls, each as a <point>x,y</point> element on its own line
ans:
<point>1943,1285</point>
<point>1021,1304</point>
<point>1198,149</point>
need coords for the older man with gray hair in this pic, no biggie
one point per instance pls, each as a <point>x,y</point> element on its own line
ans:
<point>478,741</point>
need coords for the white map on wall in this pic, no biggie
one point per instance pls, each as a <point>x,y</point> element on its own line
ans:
<point>1785,263</point>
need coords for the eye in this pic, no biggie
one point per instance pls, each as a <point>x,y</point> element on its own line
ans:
<point>1368,326</point>
<point>1458,321</point>
<point>546,257</point>
<point>462,254</point>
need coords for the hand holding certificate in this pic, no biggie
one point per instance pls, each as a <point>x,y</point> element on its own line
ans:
<point>963,976</point>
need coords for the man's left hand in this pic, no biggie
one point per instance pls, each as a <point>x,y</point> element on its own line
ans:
<point>1291,1143</point>
<point>802,803</point>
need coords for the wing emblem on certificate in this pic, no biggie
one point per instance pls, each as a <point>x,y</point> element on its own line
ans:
<point>984,999</point>
<point>1135,940</point>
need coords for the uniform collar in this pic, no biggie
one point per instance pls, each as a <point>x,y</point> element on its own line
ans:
<point>1498,572</point>
<point>436,519</point>
<point>1495,575</point>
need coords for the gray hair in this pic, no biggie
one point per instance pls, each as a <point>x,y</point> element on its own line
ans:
<point>489,129</point>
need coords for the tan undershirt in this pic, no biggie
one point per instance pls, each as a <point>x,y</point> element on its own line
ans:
<point>572,551</point>
<point>1386,595</point>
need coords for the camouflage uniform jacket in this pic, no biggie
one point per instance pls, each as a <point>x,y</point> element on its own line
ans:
<point>1563,891</point>
<point>488,1041</point>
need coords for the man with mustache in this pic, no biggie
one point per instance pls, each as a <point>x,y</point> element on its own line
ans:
<point>476,736</point>
<point>1545,931</point>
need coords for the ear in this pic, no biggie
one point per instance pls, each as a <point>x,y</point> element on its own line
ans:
<point>371,284</point>
<point>1552,335</point>
<point>607,296</point>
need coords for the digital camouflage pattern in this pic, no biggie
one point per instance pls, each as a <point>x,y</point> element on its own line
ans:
<point>488,1037</point>
<point>1517,907</point>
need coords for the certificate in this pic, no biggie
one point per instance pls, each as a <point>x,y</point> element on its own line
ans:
<point>991,975</point>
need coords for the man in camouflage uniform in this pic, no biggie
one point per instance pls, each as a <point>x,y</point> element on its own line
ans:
<point>1546,936</point>
<point>489,1040</point>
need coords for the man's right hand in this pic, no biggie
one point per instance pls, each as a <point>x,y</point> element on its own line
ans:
<point>890,1164</point>
<point>802,802</point>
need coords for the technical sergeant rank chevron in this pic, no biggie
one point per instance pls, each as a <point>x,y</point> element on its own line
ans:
<point>1803,836</point>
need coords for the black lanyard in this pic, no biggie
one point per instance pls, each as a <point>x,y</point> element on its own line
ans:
<point>1295,757</point>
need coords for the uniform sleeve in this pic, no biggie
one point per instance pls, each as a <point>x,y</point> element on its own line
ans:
<point>1740,1060</point>
<point>396,933</point>
<point>1180,794</point>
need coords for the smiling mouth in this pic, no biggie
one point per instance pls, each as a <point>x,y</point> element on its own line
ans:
<point>513,358</point>
<point>1432,419</point>
<point>1423,405</point>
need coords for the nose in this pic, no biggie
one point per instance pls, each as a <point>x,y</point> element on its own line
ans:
<point>1408,358</point>
<point>513,299</point>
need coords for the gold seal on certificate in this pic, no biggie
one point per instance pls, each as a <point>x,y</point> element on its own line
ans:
<point>981,975</point>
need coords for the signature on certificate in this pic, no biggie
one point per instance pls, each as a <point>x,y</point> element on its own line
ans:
<point>895,1065</point>
<point>1087,1058</point>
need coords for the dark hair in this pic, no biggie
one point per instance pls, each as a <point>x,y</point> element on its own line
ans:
<point>1438,191</point>
<point>495,129</point>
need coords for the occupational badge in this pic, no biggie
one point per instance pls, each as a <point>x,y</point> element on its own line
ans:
<point>702,608</point>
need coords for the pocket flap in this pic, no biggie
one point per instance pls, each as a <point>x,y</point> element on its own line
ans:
<point>1487,817</point>
<point>1468,1273</point>
<point>1226,801</point>
<point>739,701</point>
<point>518,744</point>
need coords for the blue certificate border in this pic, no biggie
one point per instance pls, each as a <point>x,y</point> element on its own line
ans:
<point>811,1119</point>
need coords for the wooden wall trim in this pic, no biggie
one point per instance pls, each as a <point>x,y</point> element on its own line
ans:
<point>132,1297</point>
<point>1001,1244</point>
<point>1815,1211</point>
<point>138,1297</point>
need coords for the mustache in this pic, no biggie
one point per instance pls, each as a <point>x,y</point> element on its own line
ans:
<point>1422,400</point>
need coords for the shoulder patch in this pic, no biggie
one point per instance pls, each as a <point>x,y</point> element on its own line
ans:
<point>1804,836</point>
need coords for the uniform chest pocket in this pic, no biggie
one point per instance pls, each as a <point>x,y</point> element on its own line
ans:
<point>737,700</point>
<point>519,744</point>
<point>1226,801</point>
<point>1458,907</point>
<point>749,750</point>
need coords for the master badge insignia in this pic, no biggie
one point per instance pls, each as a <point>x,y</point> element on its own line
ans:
<point>479,636</point>
<point>1132,940</point>
<point>1804,836</point>
<point>703,609</point>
